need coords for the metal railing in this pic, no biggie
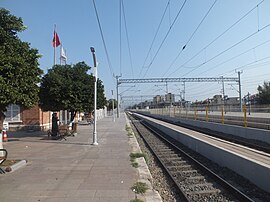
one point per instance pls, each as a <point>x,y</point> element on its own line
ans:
<point>251,116</point>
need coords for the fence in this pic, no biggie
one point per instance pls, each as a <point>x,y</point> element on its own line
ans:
<point>251,116</point>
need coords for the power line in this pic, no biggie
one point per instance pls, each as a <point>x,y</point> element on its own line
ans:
<point>247,65</point>
<point>192,35</point>
<point>103,40</point>
<point>129,51</point>
<point>176,17</point>
<point>242,67</point>
<point>224,51</point>
<point>232,58</point>
<point>224,32</point>
<point>155,36</point>
<point>120,35</point>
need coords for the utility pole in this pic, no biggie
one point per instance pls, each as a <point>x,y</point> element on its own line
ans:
<point>239,84</point>
<point>117,94</point>
<point>223,93</point>
<point>113,107</point>
<point>95,142</point>
<point>249,103</point>
<point>184,93</point>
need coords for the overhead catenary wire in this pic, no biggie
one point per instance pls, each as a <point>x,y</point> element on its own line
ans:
<point>215,39</point>
<point>234,57</point>
<point>176,17</point>
<point>120,36</point>
<point>224,51</point>
<point>152,43</point>
<point>103,40</point>
<point>192,35</point>
<point>129,49</point>
<point>246,66</point>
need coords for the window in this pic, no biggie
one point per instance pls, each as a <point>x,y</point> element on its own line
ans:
<point>13,113</point>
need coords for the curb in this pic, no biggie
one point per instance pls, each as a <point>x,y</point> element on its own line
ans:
<point>145,176</point>
<point>16,166</point>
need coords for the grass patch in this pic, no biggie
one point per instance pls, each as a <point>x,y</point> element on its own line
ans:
<point>139,187</point>
<point>130,134</point>
<point>128,128</point>
<point>9,162</point>
<point>136,155</point>
<point>133,156</point>
<point>136,200</point>
<point>135,164</point>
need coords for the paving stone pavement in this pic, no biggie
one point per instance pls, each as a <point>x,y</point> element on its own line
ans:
<point>72,170</point>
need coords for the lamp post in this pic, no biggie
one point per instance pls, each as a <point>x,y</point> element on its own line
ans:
<point>95,97</point>
<point>113,107</point>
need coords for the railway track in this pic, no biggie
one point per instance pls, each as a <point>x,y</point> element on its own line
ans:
<point>194,181</point>
<point>255,144</point>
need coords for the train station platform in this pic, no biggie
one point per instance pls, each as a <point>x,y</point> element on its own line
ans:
<point>71,170</point>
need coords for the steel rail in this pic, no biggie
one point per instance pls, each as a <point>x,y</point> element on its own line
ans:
<point>184,197</point>
<point>220,135</point>
<point>234,191</point>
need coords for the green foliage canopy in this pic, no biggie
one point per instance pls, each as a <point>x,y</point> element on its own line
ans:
<point>264,93</point>
<point>69,87</point>
<point>111,103</point>
<point>19,71</point>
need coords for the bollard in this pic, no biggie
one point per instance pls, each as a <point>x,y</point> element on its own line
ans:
<point>4,132</point>
<point>195,114</point>
<point>1,145</point>
<point>206,114</point>
<point>245,115</point>
<point>222,115</point>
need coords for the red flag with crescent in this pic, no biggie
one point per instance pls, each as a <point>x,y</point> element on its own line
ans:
<point>56,41</point>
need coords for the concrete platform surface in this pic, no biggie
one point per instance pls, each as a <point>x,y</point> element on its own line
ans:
<point>72,170</point>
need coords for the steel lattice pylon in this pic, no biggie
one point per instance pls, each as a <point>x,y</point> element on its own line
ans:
<point>166,80</point>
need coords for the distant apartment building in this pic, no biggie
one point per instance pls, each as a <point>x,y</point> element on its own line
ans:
<point>169,98</point>
<point>158,99</point>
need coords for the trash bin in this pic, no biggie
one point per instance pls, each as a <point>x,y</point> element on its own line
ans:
<point>74,127</point>
<point>54,124</point>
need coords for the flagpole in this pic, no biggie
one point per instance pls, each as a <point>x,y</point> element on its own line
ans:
<point>61,54</point>
<point>54,47</point>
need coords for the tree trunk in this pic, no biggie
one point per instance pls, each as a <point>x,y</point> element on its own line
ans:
<point>73,114</point>
<point>2,118</point>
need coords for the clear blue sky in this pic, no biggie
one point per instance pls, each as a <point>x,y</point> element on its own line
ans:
<point>78,30</point>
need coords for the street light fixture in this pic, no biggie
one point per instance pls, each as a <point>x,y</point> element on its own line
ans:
<point>95,142</point>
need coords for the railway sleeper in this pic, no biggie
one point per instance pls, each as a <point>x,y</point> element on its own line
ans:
<point>179,168</point>
<point>195,179</point>
<point>185,174</point>
<point>175,162</point>
<point>170,157</point>
<point>204,192</point>
<point>200,186</point>
<point>164,150</point>
<point>190,172</point>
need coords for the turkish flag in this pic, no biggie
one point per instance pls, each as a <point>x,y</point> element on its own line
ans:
<point>56,41</point>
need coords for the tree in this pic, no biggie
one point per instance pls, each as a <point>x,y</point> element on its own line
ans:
<point>19,71</point>
<point>264,93</point>
<point>110,105</point>
<point>67,87</point>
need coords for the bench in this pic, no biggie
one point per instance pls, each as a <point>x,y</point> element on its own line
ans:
<point>63,131</point>
<point>2,159</point>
